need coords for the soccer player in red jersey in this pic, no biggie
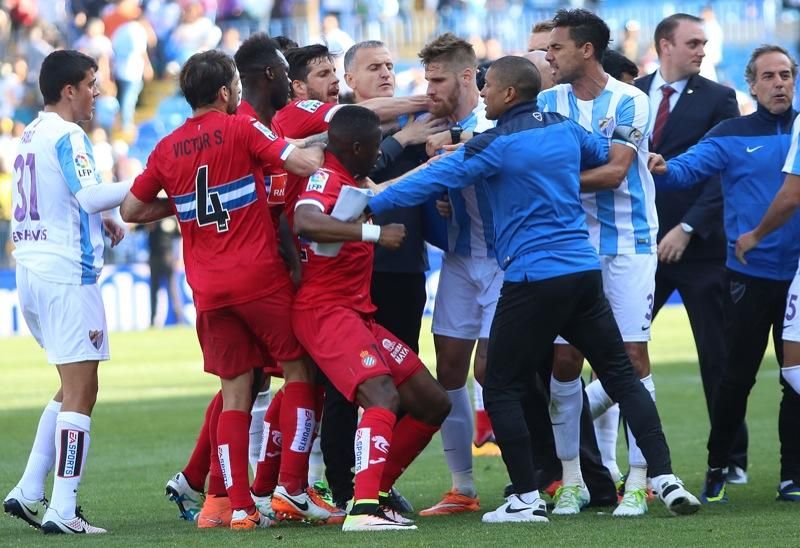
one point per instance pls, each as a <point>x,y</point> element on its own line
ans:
<point>212,171</point>
<point>332,319</point>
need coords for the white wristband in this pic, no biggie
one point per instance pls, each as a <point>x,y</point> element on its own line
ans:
<point>370,232</point>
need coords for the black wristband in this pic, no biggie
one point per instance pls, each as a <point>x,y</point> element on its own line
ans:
<point>455,134</point>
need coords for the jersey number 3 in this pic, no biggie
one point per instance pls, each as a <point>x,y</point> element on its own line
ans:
<point>209,205</point>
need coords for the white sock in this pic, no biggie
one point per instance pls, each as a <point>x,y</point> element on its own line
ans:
<point>786,483</point>
<point>635,457</point>
<point>477,392</point>
<point>457,441</point>
<point>257,427</point>
<point>791,375</point>
<point>566,403</point>
<point>637,478</point>
<point>72,447</point>
<point>571,472</point>
<point>529,497</point>
<point>599,401</point>
<point>606,429</point>
<point>43,454</point>
<point>316,466</point>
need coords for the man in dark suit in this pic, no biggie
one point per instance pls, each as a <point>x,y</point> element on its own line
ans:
<point>691,241</point>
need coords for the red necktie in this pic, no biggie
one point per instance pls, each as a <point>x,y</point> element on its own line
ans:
<point>661,115</point>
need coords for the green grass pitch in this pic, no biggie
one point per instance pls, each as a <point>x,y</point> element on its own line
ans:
<point>153,395</point>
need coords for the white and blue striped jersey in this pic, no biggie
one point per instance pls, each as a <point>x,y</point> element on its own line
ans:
<point>54,237</point>
<point>621,221</point>
<point>470,231</point>
<point>792,164</point>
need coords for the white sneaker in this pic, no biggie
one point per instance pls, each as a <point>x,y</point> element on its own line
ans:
<point>633,504</point>
<point>394,515</point>
<point>264,505</point>
<point>515,510</point>
<point>377,521</point>
<point>16,504</point>
<point>189,501</point>
<point>242,521</point>
<point>736,475</point>
<point>299,507</point>
<point>674,495</point>
<point>53,523</point>
<point>570,499</point>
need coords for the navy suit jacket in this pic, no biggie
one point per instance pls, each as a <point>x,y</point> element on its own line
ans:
<point>701,106</point>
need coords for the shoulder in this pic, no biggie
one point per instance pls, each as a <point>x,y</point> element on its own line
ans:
<point>643,83</point>
<point>703,85</point>
<point>625,91</point>
<point>323,180</point>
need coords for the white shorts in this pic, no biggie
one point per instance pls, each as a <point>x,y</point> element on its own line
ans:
<point>629,282</point>
<point>791,319</point>
<point>67,320</point>
<point>467,296</point>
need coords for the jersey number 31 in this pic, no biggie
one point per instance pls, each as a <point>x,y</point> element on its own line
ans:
<point>209,205</point>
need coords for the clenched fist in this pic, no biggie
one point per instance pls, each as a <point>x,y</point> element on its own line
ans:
<point>392,235</point>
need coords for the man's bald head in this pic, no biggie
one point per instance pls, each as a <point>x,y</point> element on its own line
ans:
<point>541,64</point>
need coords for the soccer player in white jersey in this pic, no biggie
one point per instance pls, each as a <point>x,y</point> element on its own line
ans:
<point>619,200</point>
<point>58,233</point>
<point>469,283</point>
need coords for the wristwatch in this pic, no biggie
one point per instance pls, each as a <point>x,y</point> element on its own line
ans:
<point>687,228</point>
<point>455,134</point>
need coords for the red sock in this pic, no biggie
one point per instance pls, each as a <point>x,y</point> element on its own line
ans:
<point>297,426</point>
<point>232,440</point>
<point>270,459</point>
<point>199,463</point>
<point>319,402</point>
<point>373,439</point>
<point>216,484</point>
<point>409,438</point>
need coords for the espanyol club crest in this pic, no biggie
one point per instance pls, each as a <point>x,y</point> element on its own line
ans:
<point>606,126</point>
<point>367,359</point>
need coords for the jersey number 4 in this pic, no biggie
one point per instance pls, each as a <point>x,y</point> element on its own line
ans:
<point>209,205</point>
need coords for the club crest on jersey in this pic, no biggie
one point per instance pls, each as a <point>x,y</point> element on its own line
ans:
<point>367,359</point>
<point>606,126</point>
<point>317,182</point>
<point>83,167</point>
<point>265,130</point>
<point>96,338</point>
<point>309,105</point>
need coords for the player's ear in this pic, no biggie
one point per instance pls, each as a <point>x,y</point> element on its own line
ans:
<point>348,79</point>
<point>298,88</point>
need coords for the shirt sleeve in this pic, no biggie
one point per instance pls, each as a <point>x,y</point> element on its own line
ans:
<point>479,159</point>
<point>149,182</point>
<point>634,111</point>
<point>269,149</point>
<point>792,164</point>
<point>321,190</point>
<point>76,159</point>
<point>697,164</point>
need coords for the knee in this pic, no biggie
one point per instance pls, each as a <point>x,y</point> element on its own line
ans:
<point>378,392</point>
<point>640,358</point>
<point>438,407</point>
<point>567,363</point>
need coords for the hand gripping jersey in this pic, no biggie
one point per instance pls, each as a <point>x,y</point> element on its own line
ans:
<point>53,235</point>
<point>624,220</point>
<point>343,280</point>
<point>212,171</point>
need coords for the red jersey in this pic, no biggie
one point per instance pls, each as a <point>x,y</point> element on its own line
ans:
<point>343,280</point>
<point>298,120</point>
<point>274,177</point>
<point>212,171</point>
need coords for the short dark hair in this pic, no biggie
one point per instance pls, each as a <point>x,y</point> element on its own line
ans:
<point>300,60</point>
<point>584,27</point>
<point>353,123</point>
<point>202,76</point>
<point>450,50</point>
<point>617,64</point>
<point>666,27</point>
<point>750,72</point>
<point>350,56</point>
<point>255,54</point>
<point>63,68</point>
<point>285,43</point>
<point>513,71</point>
<point>543,26</point>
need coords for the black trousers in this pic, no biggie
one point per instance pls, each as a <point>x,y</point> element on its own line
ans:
<point>753,306</point>
<point>400,298</point>
<point>701,285</point>
<point>529,316</point>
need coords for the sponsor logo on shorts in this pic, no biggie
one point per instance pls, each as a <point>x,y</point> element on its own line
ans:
<point>305,427</point>
<point>397,350</point>
<point>96,338</point>
<point>69,464</point>
<point>737,291</point>
<point>362,447</point>
<point>367,359</point>
<point>388,345</point>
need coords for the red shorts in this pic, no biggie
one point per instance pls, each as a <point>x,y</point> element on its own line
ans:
<point>270,365</point>
<point>351,348</point>
<point>233,338</point>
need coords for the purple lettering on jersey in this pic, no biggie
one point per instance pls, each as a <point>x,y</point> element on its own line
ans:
<point>21,210</point>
